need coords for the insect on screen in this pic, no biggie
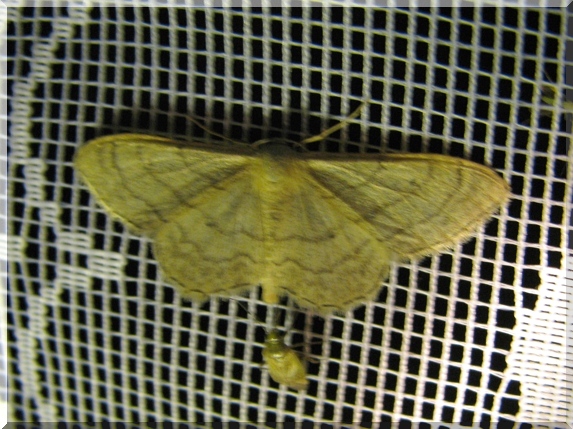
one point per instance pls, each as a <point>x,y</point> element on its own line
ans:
<point>472,329</point>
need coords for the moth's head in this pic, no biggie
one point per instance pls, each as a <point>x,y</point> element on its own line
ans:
<point>279,146</point>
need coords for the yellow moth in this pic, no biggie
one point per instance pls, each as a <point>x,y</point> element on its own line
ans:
<point>322,228</point>
<point>284,364</point>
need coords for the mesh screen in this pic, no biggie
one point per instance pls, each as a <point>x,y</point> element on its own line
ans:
<point>474,334</point>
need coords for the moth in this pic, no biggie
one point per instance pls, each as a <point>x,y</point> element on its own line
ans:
<point>322,228</point>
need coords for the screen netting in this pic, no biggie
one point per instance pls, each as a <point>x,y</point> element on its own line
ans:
<point>476,334</point>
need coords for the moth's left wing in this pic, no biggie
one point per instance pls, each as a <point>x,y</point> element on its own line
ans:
<point>143,180</point>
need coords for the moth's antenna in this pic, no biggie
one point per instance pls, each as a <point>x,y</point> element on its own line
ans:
<point>213,133</point>
<point>335,127</point>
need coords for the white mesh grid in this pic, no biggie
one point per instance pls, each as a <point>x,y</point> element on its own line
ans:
<point>474,335</point>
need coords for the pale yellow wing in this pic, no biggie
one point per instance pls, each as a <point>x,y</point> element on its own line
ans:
<point>215,244</point>
<point>322,252</point>
<point>417,204</point>
<point>143,179</point>
<point>196,201</point>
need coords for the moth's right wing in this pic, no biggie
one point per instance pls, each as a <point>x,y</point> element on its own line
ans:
<point>417,203</point>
